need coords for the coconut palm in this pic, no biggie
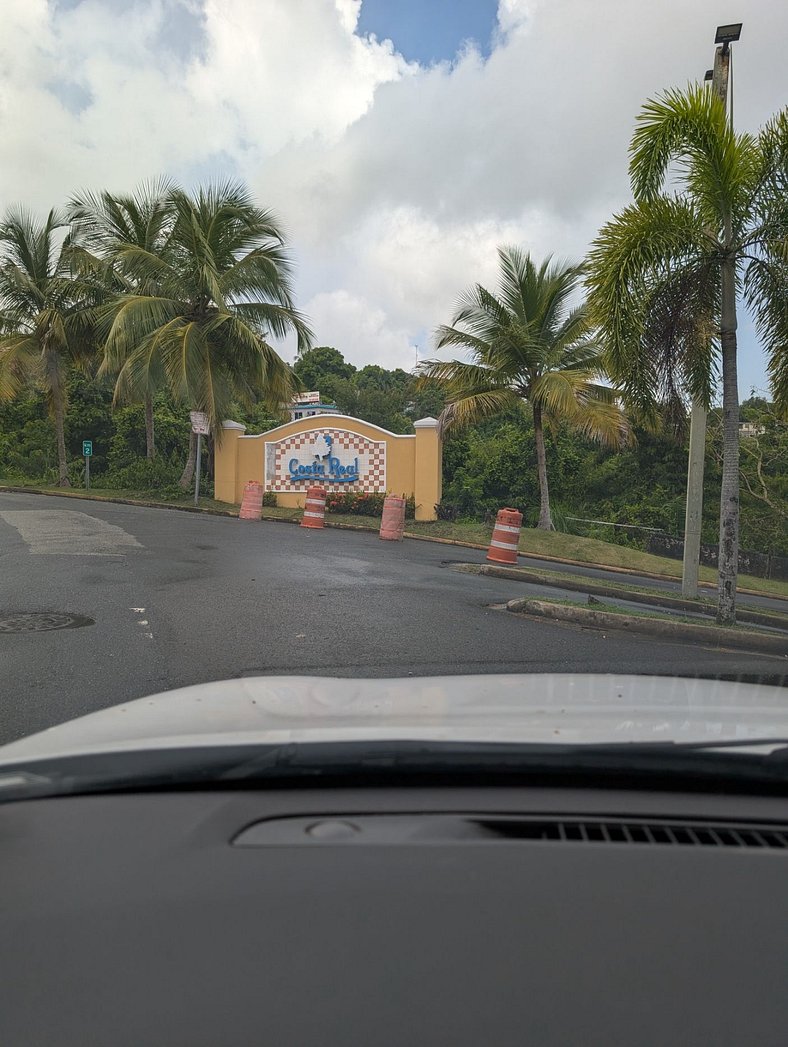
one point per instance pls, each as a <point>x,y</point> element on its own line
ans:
<point>206,303</point>
<point>666,273</point>
<point>43,310</point>
<point>103,225</point>
<point>526,342</point>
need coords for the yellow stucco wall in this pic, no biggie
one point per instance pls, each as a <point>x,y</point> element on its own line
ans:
<point>413,463</point>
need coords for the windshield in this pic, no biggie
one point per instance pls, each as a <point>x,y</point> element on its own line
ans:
<point>362,340</point>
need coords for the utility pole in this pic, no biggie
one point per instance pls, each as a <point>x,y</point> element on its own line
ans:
<point>697,441</point>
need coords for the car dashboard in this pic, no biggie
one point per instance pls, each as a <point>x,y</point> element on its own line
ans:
<point>435,914</point>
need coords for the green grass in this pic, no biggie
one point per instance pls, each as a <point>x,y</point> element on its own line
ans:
<point>532,541</point>
<point>586,550</point>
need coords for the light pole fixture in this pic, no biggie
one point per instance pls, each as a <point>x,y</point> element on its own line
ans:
<point>727,35</point>
<point>709,75</point>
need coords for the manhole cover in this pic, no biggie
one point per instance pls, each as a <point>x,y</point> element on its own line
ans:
<point>42,622</point>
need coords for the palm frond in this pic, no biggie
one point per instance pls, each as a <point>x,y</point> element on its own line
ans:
<point>765,289</point>
<point>19,363</point>
<point>630,269</point>
<point>688,128</point>
<point>468,410</point>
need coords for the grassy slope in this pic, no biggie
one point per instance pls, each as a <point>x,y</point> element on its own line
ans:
<point>586,550</point>
<point>532,541</point>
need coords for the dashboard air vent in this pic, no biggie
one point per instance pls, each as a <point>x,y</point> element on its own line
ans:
<point>675,834</point>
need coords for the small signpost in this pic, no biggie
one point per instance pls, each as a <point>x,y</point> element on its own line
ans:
<point>87,451</point>
<point>201,427</point>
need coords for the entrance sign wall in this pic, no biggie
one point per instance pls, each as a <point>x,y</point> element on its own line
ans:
<point>336,451</point>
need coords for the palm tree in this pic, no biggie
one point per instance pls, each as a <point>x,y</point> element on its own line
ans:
<point>527,343</point>
<point>666,273</point>
<point>206,302</point>
<point>44,305</point>
<point>103,225</point>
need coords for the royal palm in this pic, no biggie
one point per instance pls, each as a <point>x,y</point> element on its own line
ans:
<point>667,272</point>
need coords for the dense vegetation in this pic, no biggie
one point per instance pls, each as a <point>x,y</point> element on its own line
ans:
<point>391,399</point>
<point>486,466</point>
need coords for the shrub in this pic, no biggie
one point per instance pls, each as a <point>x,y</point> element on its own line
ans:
<point>143,474</point>
<point>447,511</point>
<point>269,498</point>
<point>363,503</point>
<point>355,503</point>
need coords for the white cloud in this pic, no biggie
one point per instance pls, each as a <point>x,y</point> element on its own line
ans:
<point>395,182</point>
<point>363,331</point>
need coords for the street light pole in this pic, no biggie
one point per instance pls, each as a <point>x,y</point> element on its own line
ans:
<point>697,441</point>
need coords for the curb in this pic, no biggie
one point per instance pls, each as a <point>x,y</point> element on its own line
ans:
<point>592,566</point>
<point>681,631</point>
<point>596,588</point>
<point>231,513</point>
<point>67,492</point>
<point>640,574</point>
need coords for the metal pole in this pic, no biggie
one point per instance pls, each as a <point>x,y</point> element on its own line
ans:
<point>697,442</point>
<point>197,470</point>
<point>87,472</point>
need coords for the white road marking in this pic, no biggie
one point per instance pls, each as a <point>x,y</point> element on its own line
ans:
<point>61,532</point>
<point>148,634</point>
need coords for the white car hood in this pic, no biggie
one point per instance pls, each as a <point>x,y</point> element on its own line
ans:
<point>563,708</point>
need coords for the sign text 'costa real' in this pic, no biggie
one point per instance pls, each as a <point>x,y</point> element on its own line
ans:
<point>336,458</point>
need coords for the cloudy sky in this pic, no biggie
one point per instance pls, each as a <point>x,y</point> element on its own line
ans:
<point>399,140</point>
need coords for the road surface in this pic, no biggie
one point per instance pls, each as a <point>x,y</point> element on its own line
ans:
<point>179,598</point>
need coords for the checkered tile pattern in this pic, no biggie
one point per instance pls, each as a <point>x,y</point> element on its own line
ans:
<point>346,446</point>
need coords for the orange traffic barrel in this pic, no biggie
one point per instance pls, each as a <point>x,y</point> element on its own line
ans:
<point>252,504</point>
<point>392,523</point>
<point>314,507</point>
<point>506,536</point>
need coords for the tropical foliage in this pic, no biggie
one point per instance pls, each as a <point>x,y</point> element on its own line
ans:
<point>201,305</point>
<point>526,342</point>
<point>667,273</point>
<point>159,290</point>
<point>103,226</point>
<point>44,329</point>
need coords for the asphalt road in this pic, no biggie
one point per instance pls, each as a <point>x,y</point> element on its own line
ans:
<point>179,598</point>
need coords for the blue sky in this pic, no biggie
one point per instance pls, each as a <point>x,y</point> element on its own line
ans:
<point>428,31</point>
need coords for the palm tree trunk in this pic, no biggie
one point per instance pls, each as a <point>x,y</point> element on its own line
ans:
<point>60,417</point>
<point>188,473</point>
<point>545,519</point>
<point>150,446</point>
<point>729,496</point>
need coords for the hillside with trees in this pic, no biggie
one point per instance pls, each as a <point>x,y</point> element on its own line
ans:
<point>486,465</point>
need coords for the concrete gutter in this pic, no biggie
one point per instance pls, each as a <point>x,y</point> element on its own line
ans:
<point>597,588</point>
<point>763,643</point>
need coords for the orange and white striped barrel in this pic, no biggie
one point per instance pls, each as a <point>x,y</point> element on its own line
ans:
<point>314,507</point>
<point>252,504</point>
<point>506,536</point>
<point>392,523</point>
